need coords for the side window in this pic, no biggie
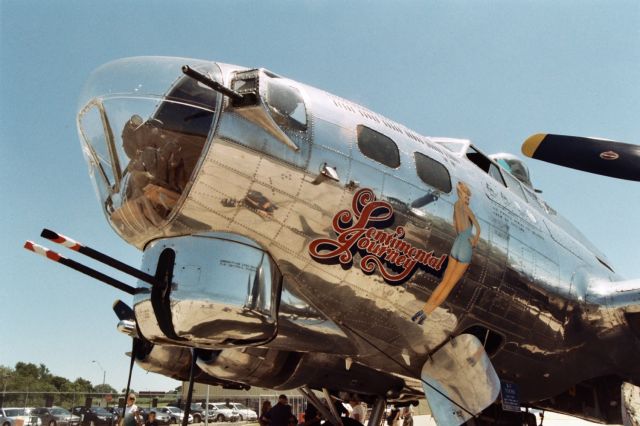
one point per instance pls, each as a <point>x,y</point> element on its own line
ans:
<point>432,172</point>
<point>378,147</point>
<point>483,162</point>
<point>532,198</point>
<point>494,172</point>
<point>514,185</point>
<point>286,106</point>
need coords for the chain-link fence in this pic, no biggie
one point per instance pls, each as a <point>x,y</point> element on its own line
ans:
<point>75,399</point>
<point>149,400</point>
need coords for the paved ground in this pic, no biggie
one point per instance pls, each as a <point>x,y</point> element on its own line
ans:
<point>550,419</point>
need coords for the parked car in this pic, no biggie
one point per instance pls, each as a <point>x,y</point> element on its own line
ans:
<point>221,412</point>
<point>55,416</point>
<point>244,412</point>
<point>116,412</point>
<point>175,414</point>
<point>93,416</point>
<point>9,415</point>
<point>197,411</point>
<point>161,417</point>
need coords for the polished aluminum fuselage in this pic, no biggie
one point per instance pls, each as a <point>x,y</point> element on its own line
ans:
<point>529,282</point>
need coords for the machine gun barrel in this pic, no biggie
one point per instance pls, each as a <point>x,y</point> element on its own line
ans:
<point>96,255</point>
<point>52,255</point>
<point>235,96</point>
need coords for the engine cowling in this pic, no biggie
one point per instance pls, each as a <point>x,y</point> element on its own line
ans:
<point>217,291</point>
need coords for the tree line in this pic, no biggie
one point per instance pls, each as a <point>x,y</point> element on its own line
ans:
<point>29,384</point>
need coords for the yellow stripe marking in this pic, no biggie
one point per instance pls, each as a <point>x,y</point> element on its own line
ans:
<point>532,143</point>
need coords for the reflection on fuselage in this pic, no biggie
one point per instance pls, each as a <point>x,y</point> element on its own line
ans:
<point>159,167</point>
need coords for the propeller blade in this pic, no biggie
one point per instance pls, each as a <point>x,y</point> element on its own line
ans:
<point>599,156</point>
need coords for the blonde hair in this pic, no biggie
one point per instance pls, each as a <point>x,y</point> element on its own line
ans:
<point>462,187</point>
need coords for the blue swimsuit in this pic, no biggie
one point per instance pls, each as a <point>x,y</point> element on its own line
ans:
<point>462,250</point>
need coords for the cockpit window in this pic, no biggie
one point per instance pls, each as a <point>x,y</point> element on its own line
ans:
<point>513,165</point>
<point>286,105</point>
<point>482,161</point>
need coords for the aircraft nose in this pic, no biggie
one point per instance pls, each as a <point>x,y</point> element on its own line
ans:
<point>143,143</point>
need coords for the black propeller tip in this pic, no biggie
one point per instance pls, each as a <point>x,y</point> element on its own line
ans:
<point>48,234</point>
<point>123,311</point>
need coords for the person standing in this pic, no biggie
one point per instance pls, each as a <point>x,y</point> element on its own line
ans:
<point>407,416</point>
<point>263,420</point>
<point>131,411</point>
<point>358,411</point>
<point>280,414</point>
<point>151,420</point>
<point>311,416</point>
<point>393,417</point>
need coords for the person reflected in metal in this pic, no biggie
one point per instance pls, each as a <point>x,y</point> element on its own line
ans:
<point>464,222</point>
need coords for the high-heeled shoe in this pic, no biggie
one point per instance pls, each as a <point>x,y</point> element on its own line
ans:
<point>419,317</point>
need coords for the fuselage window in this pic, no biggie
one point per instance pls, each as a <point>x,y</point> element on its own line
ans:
<point>432,172</point>
<point>378,147</point>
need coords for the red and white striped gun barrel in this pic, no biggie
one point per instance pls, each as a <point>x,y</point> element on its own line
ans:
<point>56,257</point>
<point>94,254</point>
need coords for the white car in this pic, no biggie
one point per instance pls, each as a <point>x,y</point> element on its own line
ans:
<point>175,414</point>
<point>8,417</point>
<point>222,413</point>
<point>244,412</point>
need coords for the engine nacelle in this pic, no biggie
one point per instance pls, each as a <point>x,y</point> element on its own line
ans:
<point>175,362</point>
<point>281,370</point>
<point>216,291</point>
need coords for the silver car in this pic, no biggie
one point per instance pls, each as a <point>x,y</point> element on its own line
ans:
<point>221,412</point>
<point>55,416</point>
<point>244,412</point>
<point>175,414</point>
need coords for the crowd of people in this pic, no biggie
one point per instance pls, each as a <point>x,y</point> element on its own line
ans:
<point>281,414</point>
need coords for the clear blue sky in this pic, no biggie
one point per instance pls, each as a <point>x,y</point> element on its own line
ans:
<point>491,71</point>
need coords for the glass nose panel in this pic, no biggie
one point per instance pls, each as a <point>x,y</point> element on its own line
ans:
<point>93,134</point>
<point>144,127</point>
<point>146,150</point>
